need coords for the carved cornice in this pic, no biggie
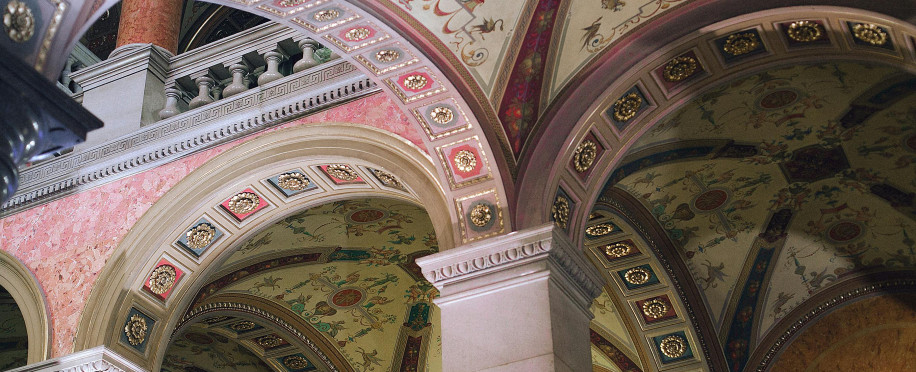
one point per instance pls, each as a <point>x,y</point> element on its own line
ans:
<point>97,359</point>
<point>510,251</point>
<point>190,132</point>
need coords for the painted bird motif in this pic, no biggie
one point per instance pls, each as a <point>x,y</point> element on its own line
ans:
<point>369,359</point>
<point>488,26</point>
<point>590,32</point>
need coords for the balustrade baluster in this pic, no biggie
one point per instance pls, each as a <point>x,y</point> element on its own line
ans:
<point>272,73</point>
<point>239,80</point>
<point>171,104</point>
<point>204,84</point>
<point>308,47</point>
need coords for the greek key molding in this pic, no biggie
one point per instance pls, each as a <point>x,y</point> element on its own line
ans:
<point>188,133</point>
<point>509,251</point>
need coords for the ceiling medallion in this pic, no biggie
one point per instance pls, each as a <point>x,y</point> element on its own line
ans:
<point>680,68</point>
<point>244,202</point>
<point>200,236</point>
<point>387,179</point>
<point>618,250</point>
<point>481,215</point>
<point>387,55</point>
<point>870,33</point>
<point>442,114</point>
<point>342,172</point>
<point>136,329</point>
<point>560,211</point>
<point>673,346</point>
<point>654,308</point>
<point>805,31</point>
<point>415,82</point>
<point>637,276</point>
<point>269,341</point>
<point>326,15</point>
<point>465,161</point>
<point>600,229</point>
<point>18,21</point>
<point>244,325</point>
<point>585,155</point>
<point>162,279</point>
<point>626,107</point>
<point>739,44</point>
<point>293,181</point>
<point>295,362</point>
<point>357,34</point>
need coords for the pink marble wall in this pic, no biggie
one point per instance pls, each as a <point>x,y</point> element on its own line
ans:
<point>67,242</point>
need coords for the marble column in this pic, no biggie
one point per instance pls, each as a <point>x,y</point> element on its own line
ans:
<point>150,22</point>
<point>518,302</point>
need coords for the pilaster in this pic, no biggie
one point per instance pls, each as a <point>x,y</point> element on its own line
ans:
<point>518,302</point>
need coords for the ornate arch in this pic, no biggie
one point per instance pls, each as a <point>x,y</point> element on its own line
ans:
<point>24,287</point>
<point>124,287</point>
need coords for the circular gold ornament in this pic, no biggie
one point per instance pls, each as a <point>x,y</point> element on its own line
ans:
<point>244,202</point>
<point>673,346</point>
<point>415,82</point>
<point>442,114</point>
<point>805,31</point>
<point>200,236</point>
<point>679,69</point>
<point>244,325</point>
<point>560,211</point>
<point>295,362</point>
<point>269,341</point>
<point>870,33</point>
<point>357,34</point>
<point>342,172</point>
<point>481,215</point>
<point>626,107</point>
<point>654,308</point>
<point>739,44</point>
<point>618,250</point>
<point>637,276</point>
<point>18,21</point>
<point>585,155</point>
<point>326,15</point>
<point>293,181</point>
<point>465,161</point>
<point>387,55</point>
<point>161,279</point>
<point>135,330</point>
<point>387,179</point>
<point>600,229</point>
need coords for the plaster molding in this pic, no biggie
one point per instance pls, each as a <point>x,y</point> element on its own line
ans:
<point>125,61</point>
<point>97,359</point>
<point>189,133</point>
<point>497,257</point>
<point>24,287</point>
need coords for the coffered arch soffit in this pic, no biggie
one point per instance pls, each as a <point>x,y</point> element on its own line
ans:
<point>164,260</point>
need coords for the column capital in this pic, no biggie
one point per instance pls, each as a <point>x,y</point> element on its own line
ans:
<point>510,258</point>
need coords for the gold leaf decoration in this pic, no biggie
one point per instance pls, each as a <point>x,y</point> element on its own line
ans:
<point>342,172</point>
<point>136,329</point>
<point>415,82</point>
<point>162,278</point>
<point>637,276</point>
<point>481,215</point>
<point>680,68</point>
<point>18,21</point>
<point>870,33</point>
<point>357,34</point>
<point>585,155</point>
<point>618,250</point>
<point>805,31</point>
<point>387,55</point>
<point>293,181</point>
<point>673,346</point>
<point>741,43</point>
<point>442,114</point>
<point>654,308</point>
<point>326,15</point>
<point>244,202</point>
<point>627,106</point>
<point>200,236</point>
<point>465,161</point>
<point>560,211</point>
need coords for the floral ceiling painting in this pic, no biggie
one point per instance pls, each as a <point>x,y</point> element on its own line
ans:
<point>780,184</point>
<point>347,270</point>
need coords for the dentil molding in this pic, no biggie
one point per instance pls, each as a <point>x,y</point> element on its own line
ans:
<point>97,359</point>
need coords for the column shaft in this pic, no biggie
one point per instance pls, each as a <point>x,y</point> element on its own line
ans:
<point>157,22</point>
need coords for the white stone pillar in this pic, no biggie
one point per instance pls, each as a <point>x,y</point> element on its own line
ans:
<point>97,359</point>
<point>518,302</point>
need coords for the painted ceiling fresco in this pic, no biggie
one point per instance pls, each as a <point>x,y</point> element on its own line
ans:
<point>610,324</point>
<point>347,268</point>
<point>13,337</point>
<point>781,184</point>
<point>200,350</point>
